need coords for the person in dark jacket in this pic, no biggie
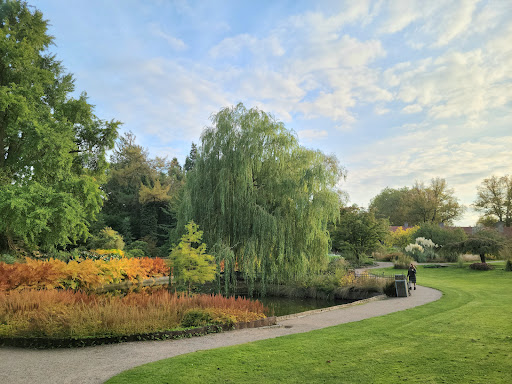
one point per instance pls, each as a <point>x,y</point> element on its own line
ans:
<point>411,274</point>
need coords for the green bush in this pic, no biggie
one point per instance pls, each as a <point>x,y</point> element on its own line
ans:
<point>196,318</point>
<point>440,235</point>
<point>508,266</point>
<point>107,238</point>
<point>8,259</point>
<point>138,246</point>
<point>390,289</point>
<point>337,265</point>
<point>135,253</point>
<point>449,255</point>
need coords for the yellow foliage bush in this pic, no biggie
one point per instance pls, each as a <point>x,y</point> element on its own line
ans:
<point>87,274</point>
<point>401,237</point>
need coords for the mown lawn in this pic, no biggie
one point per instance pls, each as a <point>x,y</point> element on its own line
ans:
<point>466,337</point>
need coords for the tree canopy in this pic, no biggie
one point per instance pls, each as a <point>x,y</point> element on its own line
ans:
<point>494,199</point>
<point>191,264</point>
<point>433,203</point>
<point>358,231</point>
<point>52,146</point>
<point>262,200</point>
<point>478,246</point>
<point>139,191</point>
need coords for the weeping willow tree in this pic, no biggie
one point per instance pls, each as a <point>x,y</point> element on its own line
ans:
<point>262,200</point>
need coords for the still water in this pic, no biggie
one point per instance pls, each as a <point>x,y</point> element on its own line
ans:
<point>280,306</point>
<point>277,306</point>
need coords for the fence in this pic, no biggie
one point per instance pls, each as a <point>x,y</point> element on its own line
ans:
<point>373,275</point>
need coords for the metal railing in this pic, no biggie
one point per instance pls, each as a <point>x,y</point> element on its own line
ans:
<point>374,275</point>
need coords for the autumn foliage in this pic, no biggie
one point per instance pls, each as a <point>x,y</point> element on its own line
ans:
<point>86,274</point>
<point>70,314</point>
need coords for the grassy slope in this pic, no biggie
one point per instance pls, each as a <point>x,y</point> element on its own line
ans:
<point>466,337</point>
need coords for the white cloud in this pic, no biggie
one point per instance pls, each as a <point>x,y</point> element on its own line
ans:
<point>456,84</point>
<point>309,135</point>
<point>380,110</point>
<point>413,108</point>
<point>231,47</point>
<point>174,42</point>
<point>454,21</point>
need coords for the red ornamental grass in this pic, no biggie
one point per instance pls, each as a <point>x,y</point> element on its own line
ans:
<point>65,313</point>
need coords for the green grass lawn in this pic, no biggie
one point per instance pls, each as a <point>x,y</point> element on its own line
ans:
<point>466,337</point>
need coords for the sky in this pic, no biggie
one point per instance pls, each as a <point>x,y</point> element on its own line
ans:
<point>399,91</point>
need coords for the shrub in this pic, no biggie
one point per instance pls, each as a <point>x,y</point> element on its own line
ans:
<point>138,247</point>
<point>337,266</point>
<point>402,262</point>
<point>84,274</point>
<point>481,266</point>
<point>69,314</point>
<point>440,235</point>
<point>107,238</point>
<point>135,253</point>
<point>196,318</point>
<point>417,252</point>
<point>8,259</point>
<point>401,237</point>
<point>508,266</point>
<point>390,289</point>
<point>394,255</point>
<point>105,254</point>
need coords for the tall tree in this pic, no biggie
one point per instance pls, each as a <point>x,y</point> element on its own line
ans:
<point>391,204</point>
<point>494,199</point>
<point>262,200</point>
<point>140,191</point>
<point>129,169</point>
<point>191,158</point>
<point>433,203</point>
<point>52,146</point>
<point>358,231</point>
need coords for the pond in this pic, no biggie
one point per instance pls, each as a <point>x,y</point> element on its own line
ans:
<point>277,306</point>
<point>280,306</point>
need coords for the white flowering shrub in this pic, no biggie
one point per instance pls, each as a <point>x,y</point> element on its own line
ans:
<point>414,248</point>
<point>426,243</point>
<point>428,247</point>
<point>416,251</point>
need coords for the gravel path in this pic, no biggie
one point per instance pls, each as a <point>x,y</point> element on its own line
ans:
<point>97,364</point>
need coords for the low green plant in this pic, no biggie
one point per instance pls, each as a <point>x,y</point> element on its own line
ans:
<point>8,259</point>
<point>460,262</point>
<point>508,266</point>
<point>135,253</point>
<point>138,247</point>
<point>196,318</point>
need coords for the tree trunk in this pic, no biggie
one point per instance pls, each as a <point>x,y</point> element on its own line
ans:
<point>482,258</point>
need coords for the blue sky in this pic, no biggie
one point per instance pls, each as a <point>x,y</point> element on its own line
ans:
<point>399,91</point>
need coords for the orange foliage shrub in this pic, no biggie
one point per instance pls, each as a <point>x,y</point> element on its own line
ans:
<point>87,274</point>
<point>65,314</point>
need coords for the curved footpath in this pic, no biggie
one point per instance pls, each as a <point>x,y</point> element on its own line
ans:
<point>99,363</point>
